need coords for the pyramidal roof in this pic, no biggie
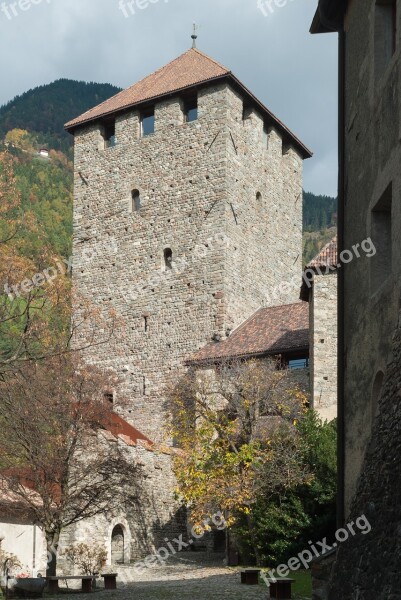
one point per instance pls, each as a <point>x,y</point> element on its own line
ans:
<point>191,69</point>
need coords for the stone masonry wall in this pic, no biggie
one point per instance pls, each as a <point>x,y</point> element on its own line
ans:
<point>372,159</point>
<point>192,178</point>
<point>149,516</point>
<point>265,193</point>
<point>375,557</point>
<point>323,344</point>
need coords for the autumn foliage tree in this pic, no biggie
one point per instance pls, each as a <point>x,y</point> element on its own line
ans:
<point>237,431</point>
<point>52,415</point>
<point>36,316</point>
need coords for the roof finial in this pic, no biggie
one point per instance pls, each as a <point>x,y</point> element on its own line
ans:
<point>194,36</point>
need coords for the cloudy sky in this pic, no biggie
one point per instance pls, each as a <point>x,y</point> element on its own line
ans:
<point>267,46</point>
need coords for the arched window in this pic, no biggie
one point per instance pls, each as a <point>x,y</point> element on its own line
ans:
<point>168,258</point>
<point>258,196</point>
<point>136,200</point>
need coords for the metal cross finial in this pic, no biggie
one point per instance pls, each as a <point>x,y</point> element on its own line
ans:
<point>194,36</point>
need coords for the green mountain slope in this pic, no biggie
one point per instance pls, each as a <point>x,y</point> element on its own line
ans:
<point>320,212</point>
<point>45,109</point>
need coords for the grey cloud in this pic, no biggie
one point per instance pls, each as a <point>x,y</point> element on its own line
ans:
<point>292,72</point>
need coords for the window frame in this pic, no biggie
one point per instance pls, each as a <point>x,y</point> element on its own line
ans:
<point>109,134</point>
<point>190,104</point>
<point>147,113</point>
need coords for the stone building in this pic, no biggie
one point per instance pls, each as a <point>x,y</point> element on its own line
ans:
<point>141,526</point>
<point>320,290</point>
<point>187,212</point>
<point>369,291</point>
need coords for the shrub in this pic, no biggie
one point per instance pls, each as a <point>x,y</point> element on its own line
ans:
<point>88,559</point>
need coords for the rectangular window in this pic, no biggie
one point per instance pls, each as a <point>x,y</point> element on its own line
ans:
<point>147,122</point>
<point>246,112</point>
<point>381,263</point>
<point>298,363</point>
<point>191,110</point>
<point>385,34</point>
<point>109,134</point>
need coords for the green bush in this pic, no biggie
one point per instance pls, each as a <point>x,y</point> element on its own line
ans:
<point>284,522</point>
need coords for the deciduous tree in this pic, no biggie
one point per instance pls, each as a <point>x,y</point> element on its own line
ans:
<point>52,416</point>
<point>237,430</point>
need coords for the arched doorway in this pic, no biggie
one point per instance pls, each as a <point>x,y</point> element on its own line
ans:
<point>117,545</point>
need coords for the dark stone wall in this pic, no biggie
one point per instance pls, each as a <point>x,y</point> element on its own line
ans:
<point>369,566</point>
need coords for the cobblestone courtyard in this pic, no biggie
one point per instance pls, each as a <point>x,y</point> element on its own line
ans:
<point>185,581</point>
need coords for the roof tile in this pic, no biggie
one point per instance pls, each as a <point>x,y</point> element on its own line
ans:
<point>269,331</point>
<point>327,257</point>
<point>189,69</point>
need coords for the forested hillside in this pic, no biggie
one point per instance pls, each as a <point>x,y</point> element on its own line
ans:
<point>36,119</point>
<point>46,190</point>
<point>45,109</point>
<point>320,212</point>
<point>320,223</point>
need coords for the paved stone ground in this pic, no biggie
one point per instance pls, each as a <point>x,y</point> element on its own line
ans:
<point>184,577</point>
<point>185,581</point>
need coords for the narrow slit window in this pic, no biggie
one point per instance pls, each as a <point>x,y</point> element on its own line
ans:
<point>145,324</point>
<point>136,200</point>
<point>147,122</point>
<point>168,259</point>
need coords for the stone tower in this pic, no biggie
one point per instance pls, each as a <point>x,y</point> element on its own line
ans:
<point>188,212</point>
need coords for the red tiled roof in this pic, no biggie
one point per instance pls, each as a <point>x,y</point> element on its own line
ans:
<point>189,69</point>
<point>193,68</point>
<point>327,257</point>
<point>269,331</point>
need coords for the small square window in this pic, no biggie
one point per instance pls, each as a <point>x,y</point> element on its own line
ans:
<point>147,122</point>
<point>191,110</point>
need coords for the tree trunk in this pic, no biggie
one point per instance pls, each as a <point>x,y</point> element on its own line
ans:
<point>52,541</point>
